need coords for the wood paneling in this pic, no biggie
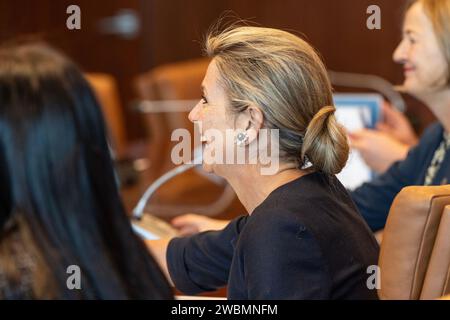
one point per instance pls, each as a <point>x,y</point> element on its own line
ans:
<point>172,31</point>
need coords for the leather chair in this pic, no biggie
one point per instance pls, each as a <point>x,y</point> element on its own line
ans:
<point>106,91</point>
<point>415,249</point>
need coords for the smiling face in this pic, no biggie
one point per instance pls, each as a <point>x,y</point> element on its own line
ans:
<point>424,64</point>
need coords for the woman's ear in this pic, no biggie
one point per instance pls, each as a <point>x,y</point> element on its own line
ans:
<point>254,122</point>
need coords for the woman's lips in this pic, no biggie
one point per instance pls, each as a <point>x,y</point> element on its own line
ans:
<point>407,70</point>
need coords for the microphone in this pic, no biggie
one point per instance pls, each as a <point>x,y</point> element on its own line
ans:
<point>138,211</point>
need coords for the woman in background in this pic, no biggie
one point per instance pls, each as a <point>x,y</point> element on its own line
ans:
<point>424,53</point>
<point>59,204</point>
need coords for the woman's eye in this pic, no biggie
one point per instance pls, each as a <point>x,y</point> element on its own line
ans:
<point>204,101</point>
<point>411,40</point>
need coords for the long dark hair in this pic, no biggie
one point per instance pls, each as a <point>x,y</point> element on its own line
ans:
<point>57,181</point>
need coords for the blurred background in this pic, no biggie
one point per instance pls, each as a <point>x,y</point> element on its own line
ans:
<point>134,50</point>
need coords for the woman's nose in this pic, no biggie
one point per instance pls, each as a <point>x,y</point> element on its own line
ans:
<point>194,115</point>
<point>399,55</point>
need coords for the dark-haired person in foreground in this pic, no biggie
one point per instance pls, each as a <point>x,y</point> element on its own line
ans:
<point>59,204</point>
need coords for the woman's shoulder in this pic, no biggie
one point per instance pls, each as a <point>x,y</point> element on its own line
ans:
<point>299,199</point>
<point>303,207</point>
<point>281,244</point>
<point>275,223</point>
<point>434,132</point>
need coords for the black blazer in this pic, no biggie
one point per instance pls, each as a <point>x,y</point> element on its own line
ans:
<point>305,241</point>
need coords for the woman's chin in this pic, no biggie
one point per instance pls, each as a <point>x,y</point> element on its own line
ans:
<point>412,87</point>
<point>419,89</point>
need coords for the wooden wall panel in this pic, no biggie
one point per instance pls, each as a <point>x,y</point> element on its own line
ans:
<point>172,31</point>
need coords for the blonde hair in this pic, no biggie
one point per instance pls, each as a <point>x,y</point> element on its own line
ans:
<point>438,11</point>
<point>283,75</point>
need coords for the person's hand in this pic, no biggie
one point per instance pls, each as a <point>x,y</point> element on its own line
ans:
<point>395,124</point>
<point>378,149</point>
<point>189,224</point>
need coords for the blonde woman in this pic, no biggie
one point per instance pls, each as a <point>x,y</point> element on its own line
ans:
<point>303,237</point>
<point>425,54</point>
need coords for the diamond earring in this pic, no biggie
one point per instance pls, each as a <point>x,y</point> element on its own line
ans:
<point>241,138</point>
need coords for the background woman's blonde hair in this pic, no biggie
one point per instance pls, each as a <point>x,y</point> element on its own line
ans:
<point>283,75</point>
<point>438,11</point>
